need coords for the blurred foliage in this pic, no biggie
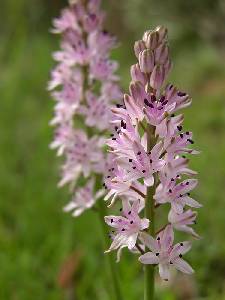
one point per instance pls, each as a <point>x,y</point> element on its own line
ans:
<point>36,238</point>
<point>187,20</point>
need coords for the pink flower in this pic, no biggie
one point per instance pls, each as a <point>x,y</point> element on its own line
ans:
<point>178,195</point>
<point>179,144</point>
<point>83,156</point>
<point>96,111</point>
<point>156,110</point>
<point>118,187</point>
<point>127,226</point>
<point>182,221</point>
<point>164,254</point>
<point>63,140</point>
<point>168,127</point>
<point>144,165</point>
<point>67,20</point>
<point>84,198</point>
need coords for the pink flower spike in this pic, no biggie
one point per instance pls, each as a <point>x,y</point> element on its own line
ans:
<point>149,146</point>
<point>177,195</point>
<point>85,87</point>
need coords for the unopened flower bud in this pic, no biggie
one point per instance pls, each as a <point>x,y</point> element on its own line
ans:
<point>161,54</point>
<point>170,91</point>
<point>157,77</point>
<point>146,60</point>
<point>145,35</point>
<point>93,5</point>
<point>168,66</point>
<point>152,40</point>
<point>138,47</point>
<point>90,22</point>
<point>72,2</point>
<point>137,90</point>
<point>162,32</point>
<point>137,75</point>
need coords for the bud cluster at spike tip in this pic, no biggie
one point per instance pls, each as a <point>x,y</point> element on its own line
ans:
<point>152,105</point>
<point>84,87</point>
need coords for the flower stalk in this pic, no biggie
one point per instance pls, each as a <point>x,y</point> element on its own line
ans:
<point>149,278</point>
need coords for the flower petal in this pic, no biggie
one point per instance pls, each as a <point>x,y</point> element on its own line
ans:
<point>191,202</point>
<point>164,271</point>
<point>144,223</point>
<point>149,258</point>
<point>149,241</point>
<point>166,237</point>
<point>119,240</point>
<point>131,241</point>
<point>183,266</point>
<point>149,181</point>
<point>180,248</point>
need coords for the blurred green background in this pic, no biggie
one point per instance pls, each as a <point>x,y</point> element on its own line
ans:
<point>37,240</point>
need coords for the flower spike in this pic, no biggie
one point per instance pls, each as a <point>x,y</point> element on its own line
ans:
<point>149,151</point>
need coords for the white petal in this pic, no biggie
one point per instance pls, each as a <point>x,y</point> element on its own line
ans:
<point>164,271</point>
<point>187,229</point>
<point>144,223</point>
<point>119,253</point>
<point>191,202</point>
<point>180,248</point>
<point>149,181</point>
<point>115,220</point>
<point>70,206</point>
<point>99,194</point>
<point>78,212</point>
<point>156,150</point>
<point>149,258</point>
<point>119,240</point>
<point>183,266</point>
<point>166,237</point>
<point>177,207</point>
<point>131,241</point>
<point>149,241</point>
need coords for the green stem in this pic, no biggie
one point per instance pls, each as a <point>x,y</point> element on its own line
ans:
<point>150,214</point>
<point>109,257</point>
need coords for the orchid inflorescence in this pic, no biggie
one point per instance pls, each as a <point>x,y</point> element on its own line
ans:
<point>150,168</point>
<point>84,86</point>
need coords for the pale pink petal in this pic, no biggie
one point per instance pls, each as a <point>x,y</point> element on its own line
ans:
<point>149,241</point>
<point>114,221</point>
<point>144,224</point>
<point>187,229</point>
<point>180,248</point>
<point>131,241</point>
<point>183,266</point>
<point>149,258</point>
<point>164,271</point>
<point>119,240</point>
<point>78,212</point>
<point>166,237</point>
<point>191,202</point>
<point>177,207</point>
<point>149,181</point>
